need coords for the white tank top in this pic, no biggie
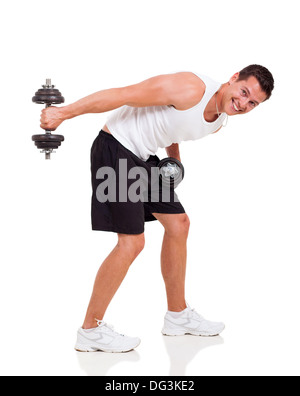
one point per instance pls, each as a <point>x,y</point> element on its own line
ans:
<point>143,130</point>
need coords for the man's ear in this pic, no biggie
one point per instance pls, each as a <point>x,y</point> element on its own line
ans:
<point>234,78</point>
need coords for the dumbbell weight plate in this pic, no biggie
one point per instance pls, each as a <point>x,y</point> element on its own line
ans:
<point>48,137</point>
<point>171,171</point>
<point>48,141</point>
<point>48,96</point>
<point>47,145</point>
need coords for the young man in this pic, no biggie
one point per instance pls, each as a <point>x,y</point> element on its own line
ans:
<point>158,113</point>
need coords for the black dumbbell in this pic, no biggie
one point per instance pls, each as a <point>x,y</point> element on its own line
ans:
<point>48,95</point>
<point>171,171</point>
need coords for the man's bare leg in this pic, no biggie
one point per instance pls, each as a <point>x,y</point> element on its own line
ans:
<point>110,276</point>
<point>173,258</point>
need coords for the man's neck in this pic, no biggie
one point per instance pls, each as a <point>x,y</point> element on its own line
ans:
<point>214,106</point>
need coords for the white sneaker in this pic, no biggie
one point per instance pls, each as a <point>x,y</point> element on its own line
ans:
<point>104,338</point>
<point>190,322</point>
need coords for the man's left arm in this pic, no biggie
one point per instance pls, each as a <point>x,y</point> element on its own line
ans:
<point>173,151</point>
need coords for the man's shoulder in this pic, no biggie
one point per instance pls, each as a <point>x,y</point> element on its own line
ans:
<point>191,87</point>
<point>189,77</point>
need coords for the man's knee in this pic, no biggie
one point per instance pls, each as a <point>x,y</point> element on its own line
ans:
<point>132,244</point>
<point>179,226</point>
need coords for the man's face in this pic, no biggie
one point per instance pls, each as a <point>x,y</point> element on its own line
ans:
<point>243,96</point>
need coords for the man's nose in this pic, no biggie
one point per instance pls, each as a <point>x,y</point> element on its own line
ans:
<point>244,103</point>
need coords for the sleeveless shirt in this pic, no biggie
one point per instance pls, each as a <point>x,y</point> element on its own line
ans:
<point>143,130</point>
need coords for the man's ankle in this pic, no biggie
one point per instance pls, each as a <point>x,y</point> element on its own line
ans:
<point>90,324</point>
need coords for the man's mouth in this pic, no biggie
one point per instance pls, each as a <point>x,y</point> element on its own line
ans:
<point>234,106</point>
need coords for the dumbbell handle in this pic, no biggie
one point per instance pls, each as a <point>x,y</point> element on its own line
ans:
<point>49,86</point>
<point>47,105</point>
<point>48,153</point>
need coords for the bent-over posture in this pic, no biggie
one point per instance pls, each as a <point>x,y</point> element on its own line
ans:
<point>160,112</point>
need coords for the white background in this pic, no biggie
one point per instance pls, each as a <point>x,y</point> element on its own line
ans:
<point>241,189</point>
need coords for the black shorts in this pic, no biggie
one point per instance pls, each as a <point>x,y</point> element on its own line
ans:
<point>116,214</point>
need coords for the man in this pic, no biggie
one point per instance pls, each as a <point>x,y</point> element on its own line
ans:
<point>160,112</point>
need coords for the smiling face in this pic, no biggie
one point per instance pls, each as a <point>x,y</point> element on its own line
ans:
<point>242,96</point>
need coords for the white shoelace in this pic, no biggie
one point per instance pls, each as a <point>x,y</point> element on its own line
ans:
<point>101,323</point>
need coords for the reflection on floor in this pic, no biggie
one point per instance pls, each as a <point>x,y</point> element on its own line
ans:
<point>181,351</point>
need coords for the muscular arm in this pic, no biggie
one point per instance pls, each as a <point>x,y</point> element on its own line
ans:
<point>173,151</point>
<point>181,90</point>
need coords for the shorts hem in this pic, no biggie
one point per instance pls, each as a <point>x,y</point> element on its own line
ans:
<point>116,231</point>
<point>168,212</point>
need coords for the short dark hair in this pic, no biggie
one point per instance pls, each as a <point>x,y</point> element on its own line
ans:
<point>262,74</point>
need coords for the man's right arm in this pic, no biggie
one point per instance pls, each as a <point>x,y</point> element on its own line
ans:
<point>181,90</point>
<point>98,102</point>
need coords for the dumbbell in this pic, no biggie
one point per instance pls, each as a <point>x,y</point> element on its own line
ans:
<point>171,171</point>
<point>48,95</point>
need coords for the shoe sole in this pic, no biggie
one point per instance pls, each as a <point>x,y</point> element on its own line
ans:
<point>85,348</point>
<point>195,333</point>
